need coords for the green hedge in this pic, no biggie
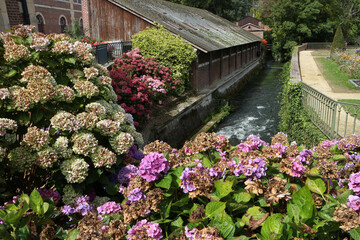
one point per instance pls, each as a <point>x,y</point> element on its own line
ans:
<point>168,50</point>
<point>294,120</point>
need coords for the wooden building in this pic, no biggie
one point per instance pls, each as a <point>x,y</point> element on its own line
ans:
<point>222,47</point>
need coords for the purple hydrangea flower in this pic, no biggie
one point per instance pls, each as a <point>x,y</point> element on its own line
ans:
<point>354,183</point>
<point>304,153</point>
<point>135,154</point>
<point>297,169</point>
<point>153,230</point>
<point>190,234</point>
<point>108,208</point>
<point>135,195</point>
<point>354,203</point>
<point>355,157</point>
<point>67,210</point>
<point>186,181</point>
<point>45,193</point>
<point>252,168</point>
<point>252,143</point>
<point>152,165</point>
<point>126,174</point>
<point>280,148</point>
<point>328,144</point>
<point>2,222</point>
<point>83,205</point>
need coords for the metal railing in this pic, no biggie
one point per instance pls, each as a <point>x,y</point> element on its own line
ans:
<point>335,119</point>
<point>107,52</point>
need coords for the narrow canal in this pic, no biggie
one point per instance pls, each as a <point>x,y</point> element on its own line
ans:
<point>256,107</point>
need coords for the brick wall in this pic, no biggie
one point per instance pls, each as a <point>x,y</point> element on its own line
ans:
<point>15,12</point>
<point>52,10</point>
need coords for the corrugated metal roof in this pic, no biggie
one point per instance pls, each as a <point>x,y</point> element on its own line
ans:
<point>206,31</point>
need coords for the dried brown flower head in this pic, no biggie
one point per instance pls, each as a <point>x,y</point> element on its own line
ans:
<point>89,228</point>
<point>292,150</point>
<point>280,138</point>
<point>328,169</point>
<point>323,153</point>
<point>197,214</point>
<point>286,165</point>
<point>47,233</point>
<point>117,229</point>
<point>348,216</point>
<point>204,141</point>
<point>276,190</point>
<point>254,187</point>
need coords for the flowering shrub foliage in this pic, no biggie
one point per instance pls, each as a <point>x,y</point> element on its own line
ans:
<point>210,190</point>
<point>169,50</point>
<point>349,63</point>
<point>139,81</point>
<point>59,121</point>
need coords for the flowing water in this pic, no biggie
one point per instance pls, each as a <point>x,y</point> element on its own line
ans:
<point>256,107</point>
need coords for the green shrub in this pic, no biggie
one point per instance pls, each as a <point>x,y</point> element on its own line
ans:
<point>170,51</point>
<point>338,43</point>
<point>294,120</point>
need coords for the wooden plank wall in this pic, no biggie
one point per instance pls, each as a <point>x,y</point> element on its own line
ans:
<point>109,22</point>
<point>213,66</point>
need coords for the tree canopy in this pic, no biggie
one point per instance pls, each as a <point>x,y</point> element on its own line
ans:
<point>296,21</point>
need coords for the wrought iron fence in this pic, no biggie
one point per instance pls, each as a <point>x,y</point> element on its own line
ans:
<point>335,119</point>
<point>107,52</point>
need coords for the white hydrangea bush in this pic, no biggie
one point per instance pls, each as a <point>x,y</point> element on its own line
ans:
<point>58,111</point>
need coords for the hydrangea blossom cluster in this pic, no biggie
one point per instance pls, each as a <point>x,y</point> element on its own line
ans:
<point>251,168</point>
<point>135,195</point>
<point>82,205</point>
<point>74,169</point>
<point>252,143</point>
<point>152,166</point>
<point>127,173</point>
<point>60,108</point>
<point>145,230</point>
<point>35,138</point>
<point>49,193</point>
<point>304,153</point>
<point>297,168</point>
<point>108,208</point>
<point>195,234</point>
<point>186,180</point>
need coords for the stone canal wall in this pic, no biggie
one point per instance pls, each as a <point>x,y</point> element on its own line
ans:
<point>186,118</point>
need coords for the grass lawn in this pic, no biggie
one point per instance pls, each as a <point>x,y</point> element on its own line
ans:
<point>352,110</point>
<point>333,75</point>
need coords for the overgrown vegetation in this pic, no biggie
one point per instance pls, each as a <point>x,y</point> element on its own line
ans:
<point>294,120</point>
<point>168,50</point>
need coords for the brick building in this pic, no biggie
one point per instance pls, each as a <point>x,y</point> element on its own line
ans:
<point>54,15</point>
<point>253,25</point>
<point>50,16</point>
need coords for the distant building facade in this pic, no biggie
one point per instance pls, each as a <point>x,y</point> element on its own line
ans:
<point>49,16</point>
<point>253,25</point>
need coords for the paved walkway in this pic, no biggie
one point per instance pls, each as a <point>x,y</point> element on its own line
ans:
<point>311,75</point>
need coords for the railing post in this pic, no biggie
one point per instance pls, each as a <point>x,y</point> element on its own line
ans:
<point>333,123</point>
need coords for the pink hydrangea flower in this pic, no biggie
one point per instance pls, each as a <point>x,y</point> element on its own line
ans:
<point>152,166</point>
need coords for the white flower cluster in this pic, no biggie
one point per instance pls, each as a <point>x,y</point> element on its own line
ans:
<point>84,143</point>
<point>35,138</point>
<point>91,72</point>
<point>46,158</point>
<point>122,142</point>
<point>74,169</point>
<point>4,93</point>
<point>103,157</point>
<point>7,125</point>
<point>65,121</point>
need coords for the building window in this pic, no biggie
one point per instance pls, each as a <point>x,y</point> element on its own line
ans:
<point>79,1</point>
<point>62,24</point>
<point>40,23</point>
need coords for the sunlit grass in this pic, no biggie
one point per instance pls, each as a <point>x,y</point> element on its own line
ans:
<point>332,74</point>
<point>352,110</point>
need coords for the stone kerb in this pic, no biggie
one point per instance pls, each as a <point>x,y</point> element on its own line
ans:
<point>295,72</point>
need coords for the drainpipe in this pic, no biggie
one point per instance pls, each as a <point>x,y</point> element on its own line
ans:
<point>26,12</point>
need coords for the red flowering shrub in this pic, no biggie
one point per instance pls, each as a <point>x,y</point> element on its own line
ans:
<point>139,81</point>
